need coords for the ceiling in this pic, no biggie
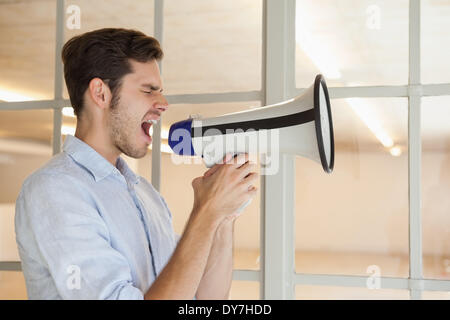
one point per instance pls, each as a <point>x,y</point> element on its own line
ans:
<point>215,46</point>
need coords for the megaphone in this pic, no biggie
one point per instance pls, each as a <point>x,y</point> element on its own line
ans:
<point>302,126</point>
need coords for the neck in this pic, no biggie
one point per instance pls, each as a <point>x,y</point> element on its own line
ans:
<point>97,138</point>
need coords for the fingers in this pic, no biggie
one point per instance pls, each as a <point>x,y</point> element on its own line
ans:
<point>216,167</point>
<point>248,182</point>
<point>246,168</point>
<point>239,160</point>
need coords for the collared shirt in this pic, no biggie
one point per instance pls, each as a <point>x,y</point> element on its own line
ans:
<point>88,230</point>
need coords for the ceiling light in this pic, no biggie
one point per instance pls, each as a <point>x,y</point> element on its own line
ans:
<point>395,151</point>
<point>10,96</point>
<point>24,146</point>
<point>328,66</point>
<point>313,47</point>
<point>366,114</point>
<point>164,133</point>
<point>67,130</point>
<point>68,112</point>
<point>164,148</point>
<point>318,55</point>
<point>325,62</point>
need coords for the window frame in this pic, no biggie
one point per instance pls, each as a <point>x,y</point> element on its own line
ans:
<point>277,276</point>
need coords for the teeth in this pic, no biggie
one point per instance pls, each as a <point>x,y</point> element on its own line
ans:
<point>152,121</point>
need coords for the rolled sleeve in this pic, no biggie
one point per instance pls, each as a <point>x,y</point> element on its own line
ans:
<point>71,240</point>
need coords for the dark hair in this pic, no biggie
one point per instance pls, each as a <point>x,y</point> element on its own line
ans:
<point>105,54</point>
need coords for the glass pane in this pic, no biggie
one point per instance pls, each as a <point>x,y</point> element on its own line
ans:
<point>244,290</point>
<point>12,286</point>
<point>25,146</point>
<point>99,14</point>
<point>435,47</point>
<point>177,190</point>
<point>436,295</point>
<point>212,46</point>
<point>436,187</point>
<point>247,258</point>
<point>114,14</point>
<point>348,293</point>
<point>352,42</point>
<point>27,46</point>
<point>356,219</point>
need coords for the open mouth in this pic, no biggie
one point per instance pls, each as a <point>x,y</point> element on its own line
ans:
<point>147,127</point>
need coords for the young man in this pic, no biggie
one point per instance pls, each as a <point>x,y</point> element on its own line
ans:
<point>87,227</point>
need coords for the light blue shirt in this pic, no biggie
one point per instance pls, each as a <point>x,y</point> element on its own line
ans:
<point>88,230</point>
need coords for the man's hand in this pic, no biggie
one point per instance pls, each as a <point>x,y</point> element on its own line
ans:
<point>224,188</point>
<point>205,248</point>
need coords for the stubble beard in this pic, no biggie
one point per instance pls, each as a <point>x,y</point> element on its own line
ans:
<point>121,129</point>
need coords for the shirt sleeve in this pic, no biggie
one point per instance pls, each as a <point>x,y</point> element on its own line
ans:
<point>72,240</point>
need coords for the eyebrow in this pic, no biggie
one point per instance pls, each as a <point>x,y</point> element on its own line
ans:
<point>152,87</point>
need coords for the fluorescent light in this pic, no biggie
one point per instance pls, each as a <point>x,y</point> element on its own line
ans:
<point>322,58</point>
<point>68,112</point>
<point>365,113</point>
<point>25,146</point>
<point>318,54</point>
<point>312,46</point>
<point>164,148</point>
<point>10,96</point>
<point>67,130</point>
<point>396,151</point>
<point>164,133</point>
<point>326,63</point>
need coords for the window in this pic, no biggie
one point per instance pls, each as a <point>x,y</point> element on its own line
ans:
<point>374,218</point>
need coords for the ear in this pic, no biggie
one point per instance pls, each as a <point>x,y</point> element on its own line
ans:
<point>99,93</point>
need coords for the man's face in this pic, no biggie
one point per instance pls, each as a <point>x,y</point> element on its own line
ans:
<point>138,101</point>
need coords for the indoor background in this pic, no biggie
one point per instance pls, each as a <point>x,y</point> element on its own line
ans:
<point>386,64</point>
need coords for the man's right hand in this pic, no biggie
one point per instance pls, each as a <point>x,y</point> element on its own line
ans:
<point>224,188</point>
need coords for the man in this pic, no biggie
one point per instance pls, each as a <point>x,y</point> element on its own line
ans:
<point>87,227</point>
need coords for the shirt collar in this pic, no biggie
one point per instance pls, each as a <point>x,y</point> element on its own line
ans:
<point>129,175</point>
<point>90,159</point>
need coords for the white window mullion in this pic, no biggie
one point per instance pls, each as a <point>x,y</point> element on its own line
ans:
<point>156,141</point>
<point>415,153</point>
<point>277,191</point>
<point>58,85</point>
